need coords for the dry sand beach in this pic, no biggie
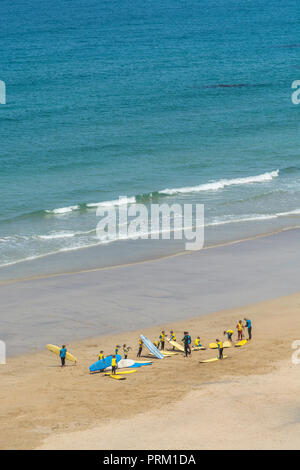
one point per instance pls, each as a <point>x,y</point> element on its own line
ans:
<point>250,400</point>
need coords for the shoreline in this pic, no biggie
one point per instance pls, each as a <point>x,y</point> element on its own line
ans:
<point>59,409</point>
<point>69,308</point>
<point>150,260</point>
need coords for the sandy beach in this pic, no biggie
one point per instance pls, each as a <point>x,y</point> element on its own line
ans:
<point>249,400</point>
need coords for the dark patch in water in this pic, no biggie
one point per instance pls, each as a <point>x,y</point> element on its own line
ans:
<point>231,85</point>
<point>288,46</point>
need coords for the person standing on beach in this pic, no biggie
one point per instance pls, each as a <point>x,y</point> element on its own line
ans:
<point>240,328</point>
<point>117,349</point>
<point>248,325</point>
<point>187,341</point>
<point>172,338</point>
<point>126,350</point>
<point>62,355</point>
<point>162,340</point>
<point>220,348</point>
<point>101,356</point>
<point>140,348</point>
<point>114,364</point>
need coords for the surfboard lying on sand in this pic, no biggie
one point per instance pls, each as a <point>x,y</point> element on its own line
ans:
<point>176,345</point>
<point>167,353</point>
<point>122,372</point>
<point>241,343</point>
<point>214,359</point>
<point>56,350</point>
<point>198,348</point>
<point>103,363</point>
<point>117,377</point>
<point>140,364</point>
<point>150,346</point>
<point>123,363</point>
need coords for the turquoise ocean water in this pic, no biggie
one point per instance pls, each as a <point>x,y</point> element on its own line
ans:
<point>167,102</point>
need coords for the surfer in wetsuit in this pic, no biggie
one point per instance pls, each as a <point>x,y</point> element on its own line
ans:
<point>114,365</point>
<point>220,348</point>
<point>197,342</point>
<point>229,334</point>
<point>162,340</point>
<point>187,341</point>
<point>140,348</point>
<point>101,356</point>
<point>172,338</point>
<point>248,325</point>
<point>62,355</point>
<point>240,328</point>
<point>126,350</point>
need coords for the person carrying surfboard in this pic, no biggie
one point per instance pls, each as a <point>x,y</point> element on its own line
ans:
<point>114,364</point>
<point>162,340</point>
<point>126,350</point>
<point>248,325</point>
<point>220,348</point>
<point>140,348</point>
<point>62,355</point>
<point>172,338</point>
<point>240,330</point>
<point>187,341</point>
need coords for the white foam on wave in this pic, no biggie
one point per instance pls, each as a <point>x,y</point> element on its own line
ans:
<point>252,218</point>
<point>54,236</point>
<point>117,202</point>
<point>221,184</point>
<point>63,210</point>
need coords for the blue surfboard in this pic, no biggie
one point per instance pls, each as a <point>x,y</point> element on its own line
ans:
<point>150,346</point>
<point>103,363</point>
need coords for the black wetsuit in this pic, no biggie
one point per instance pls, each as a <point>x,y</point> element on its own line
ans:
<point>187,341</point>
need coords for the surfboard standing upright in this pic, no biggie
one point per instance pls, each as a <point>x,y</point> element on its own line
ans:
<point>150,346</point>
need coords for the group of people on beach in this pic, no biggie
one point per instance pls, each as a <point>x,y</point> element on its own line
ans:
<point>160,343</point>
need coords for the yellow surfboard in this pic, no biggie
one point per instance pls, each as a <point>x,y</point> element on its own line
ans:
<point>214,359</point>
<point>167,353</point>
<point>176,345</point>
<point>241,343</point>
<point>117,377</point>
<point>56,350</point>
<point>226,344</point>
<point>122,372</point>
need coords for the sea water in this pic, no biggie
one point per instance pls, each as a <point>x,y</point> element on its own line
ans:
<point>158,102</point>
